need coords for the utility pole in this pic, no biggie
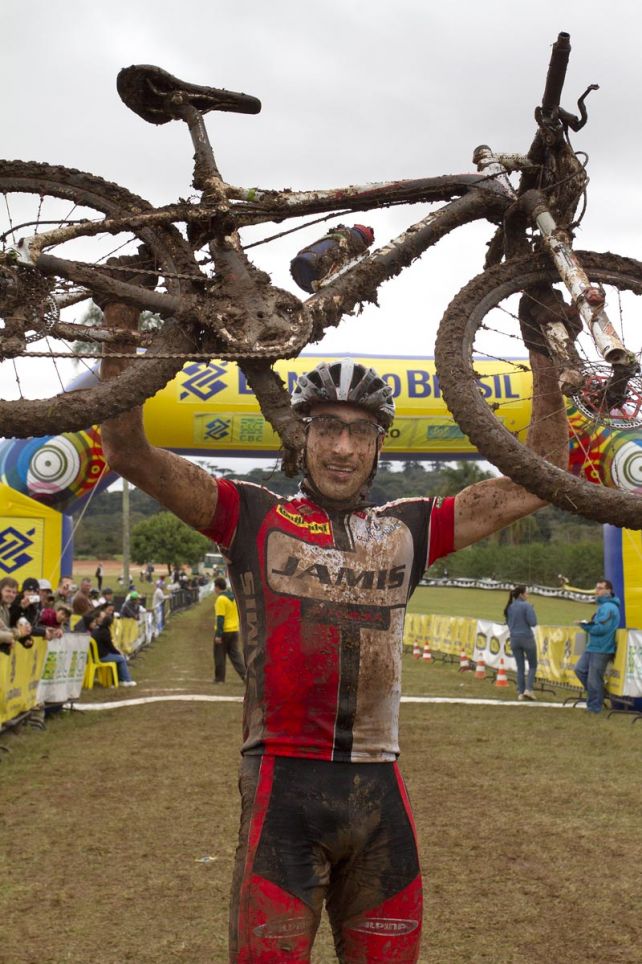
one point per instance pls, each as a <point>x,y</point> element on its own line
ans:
<point>125,506</point>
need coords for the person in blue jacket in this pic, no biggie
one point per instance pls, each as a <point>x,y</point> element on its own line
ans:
<point>521,620</point>
<point>601,645</point>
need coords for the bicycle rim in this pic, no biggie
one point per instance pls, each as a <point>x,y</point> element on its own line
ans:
<point>38,198</point>
<point>479,336</point>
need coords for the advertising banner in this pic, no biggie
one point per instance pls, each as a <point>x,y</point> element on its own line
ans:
<point>209,405</point>
<point>20,673</point>
<point>491,644</point>
<point>64,668</point>
<point>630,656</point>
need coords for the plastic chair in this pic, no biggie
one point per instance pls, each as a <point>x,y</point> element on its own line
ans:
<point>107,673</point>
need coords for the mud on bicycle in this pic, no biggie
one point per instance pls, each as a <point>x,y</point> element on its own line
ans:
<point>186,262</point>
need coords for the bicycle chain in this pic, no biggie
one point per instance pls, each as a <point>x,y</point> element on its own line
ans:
<point>153,271</point>
<point>264,355</point>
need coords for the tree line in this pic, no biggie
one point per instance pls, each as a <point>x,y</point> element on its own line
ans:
<point>533,550</point>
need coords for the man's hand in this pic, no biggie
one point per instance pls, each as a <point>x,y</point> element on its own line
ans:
<point>538,307</point>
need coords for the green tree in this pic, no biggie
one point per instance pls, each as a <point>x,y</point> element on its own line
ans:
<point>452,478</point>
<point>164,538</point>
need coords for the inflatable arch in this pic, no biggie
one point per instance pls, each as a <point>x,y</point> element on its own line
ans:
<point>209,410</point>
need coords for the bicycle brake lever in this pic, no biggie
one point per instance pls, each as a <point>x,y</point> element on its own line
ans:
<point>570,120</point>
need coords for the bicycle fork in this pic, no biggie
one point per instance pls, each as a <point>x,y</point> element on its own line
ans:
<point>587,297</point>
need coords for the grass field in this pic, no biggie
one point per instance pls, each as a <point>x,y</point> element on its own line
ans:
<point>528,820</point>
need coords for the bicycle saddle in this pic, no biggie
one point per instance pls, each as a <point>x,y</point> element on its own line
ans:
<point>147,89</point>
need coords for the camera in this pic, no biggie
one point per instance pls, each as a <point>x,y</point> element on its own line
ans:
<point>32,598</point>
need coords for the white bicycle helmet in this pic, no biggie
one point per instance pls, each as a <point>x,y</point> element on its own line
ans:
<point>345,381</point>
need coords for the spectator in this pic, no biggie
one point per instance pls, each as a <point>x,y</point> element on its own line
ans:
<point>45,591</point>
<point>132,608</point>
<point>600,649</point>
<point>226,633</point>
<point>8,633</point>
<point>98,624</point>
<point>159,593</point>
<point>149,572</point>
<point>521,619</point>
<point>26,605</point>
<point>99,576</point>
<point>81,603</point>
<point>63,592</point>
<point>107,597</point>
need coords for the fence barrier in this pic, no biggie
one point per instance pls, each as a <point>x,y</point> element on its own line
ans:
<point>52,671</point>
<point>558,649</point>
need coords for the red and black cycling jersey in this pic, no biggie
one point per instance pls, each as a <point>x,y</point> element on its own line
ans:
<point>322,597</point>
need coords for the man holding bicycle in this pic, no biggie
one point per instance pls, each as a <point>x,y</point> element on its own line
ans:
<point>322,581</point>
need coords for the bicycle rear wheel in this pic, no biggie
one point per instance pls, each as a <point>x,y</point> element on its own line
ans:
<point>37,369</point>
<point>480,330</point>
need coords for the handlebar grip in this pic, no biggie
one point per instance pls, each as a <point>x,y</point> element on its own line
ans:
<point>556,73</point>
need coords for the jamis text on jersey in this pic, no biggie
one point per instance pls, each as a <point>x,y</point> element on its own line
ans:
<point>365,578</point>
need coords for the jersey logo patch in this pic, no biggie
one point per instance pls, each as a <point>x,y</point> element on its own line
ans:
<point>296,519</point>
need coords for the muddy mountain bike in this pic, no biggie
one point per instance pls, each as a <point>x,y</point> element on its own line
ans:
<point>69,235</point>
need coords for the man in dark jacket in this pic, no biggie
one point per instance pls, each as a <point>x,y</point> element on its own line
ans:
<point>600,649</point>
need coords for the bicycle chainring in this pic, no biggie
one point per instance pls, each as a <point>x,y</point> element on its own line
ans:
<point>275,326</point>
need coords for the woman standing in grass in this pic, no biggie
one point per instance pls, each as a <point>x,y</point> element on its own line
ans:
<point>521,619</point>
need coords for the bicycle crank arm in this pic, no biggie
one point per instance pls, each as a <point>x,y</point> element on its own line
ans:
<point>588,298</point>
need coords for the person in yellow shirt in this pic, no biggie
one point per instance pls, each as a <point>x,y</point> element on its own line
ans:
<point>226,632</point>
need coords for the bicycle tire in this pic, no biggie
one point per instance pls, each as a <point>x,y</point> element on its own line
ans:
<point>66,412</point>
<point>460,387</point>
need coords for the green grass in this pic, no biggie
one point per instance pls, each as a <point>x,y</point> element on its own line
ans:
<point>489,604</point>
<point>528,823</point>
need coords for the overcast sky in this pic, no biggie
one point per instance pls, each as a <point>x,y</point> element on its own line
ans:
<point>352,91</point>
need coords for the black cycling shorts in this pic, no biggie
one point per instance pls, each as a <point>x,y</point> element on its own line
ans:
<point>318,831</point>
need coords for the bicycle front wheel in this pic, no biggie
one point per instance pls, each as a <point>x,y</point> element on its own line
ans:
<point>483,373</point>
<point>48,336</point>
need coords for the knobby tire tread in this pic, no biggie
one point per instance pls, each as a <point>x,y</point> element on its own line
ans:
<point>459,385</point>
<point>78,410</point>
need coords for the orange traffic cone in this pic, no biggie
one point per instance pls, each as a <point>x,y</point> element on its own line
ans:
<point>427,656</point>
<point>502,679</point>
<point>463,662</point>
<point>416,650</point>
<point>480,668</point>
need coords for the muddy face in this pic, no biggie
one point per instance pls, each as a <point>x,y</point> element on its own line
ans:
<point>340,465</point>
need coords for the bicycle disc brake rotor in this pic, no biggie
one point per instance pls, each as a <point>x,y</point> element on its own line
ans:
<point>593,399</point>
<point>28,310</point>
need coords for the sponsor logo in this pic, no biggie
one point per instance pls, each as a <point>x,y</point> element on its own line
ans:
<point>344,576</point>
<point>202,381</point>
<point>291,927</point>
<point>14,548</point>
<point>217,429</point>
<point>296,519</point>
<point>386,926</point>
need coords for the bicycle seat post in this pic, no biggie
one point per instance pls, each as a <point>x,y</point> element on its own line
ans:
<point>207,177</point>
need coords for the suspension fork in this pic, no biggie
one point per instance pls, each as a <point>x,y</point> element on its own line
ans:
<point>587,298</point>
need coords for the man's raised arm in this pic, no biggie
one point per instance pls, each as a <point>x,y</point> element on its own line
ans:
<point>183,488</point>
<point>486,507</point>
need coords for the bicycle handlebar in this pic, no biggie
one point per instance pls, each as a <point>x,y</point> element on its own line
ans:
<point>556,73</point>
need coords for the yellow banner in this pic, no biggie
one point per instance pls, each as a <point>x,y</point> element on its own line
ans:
<point>210,406</point>
<point>20,673</point>
<point>558,648</point>
<point>125,633</point>
<point>30,537</point>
